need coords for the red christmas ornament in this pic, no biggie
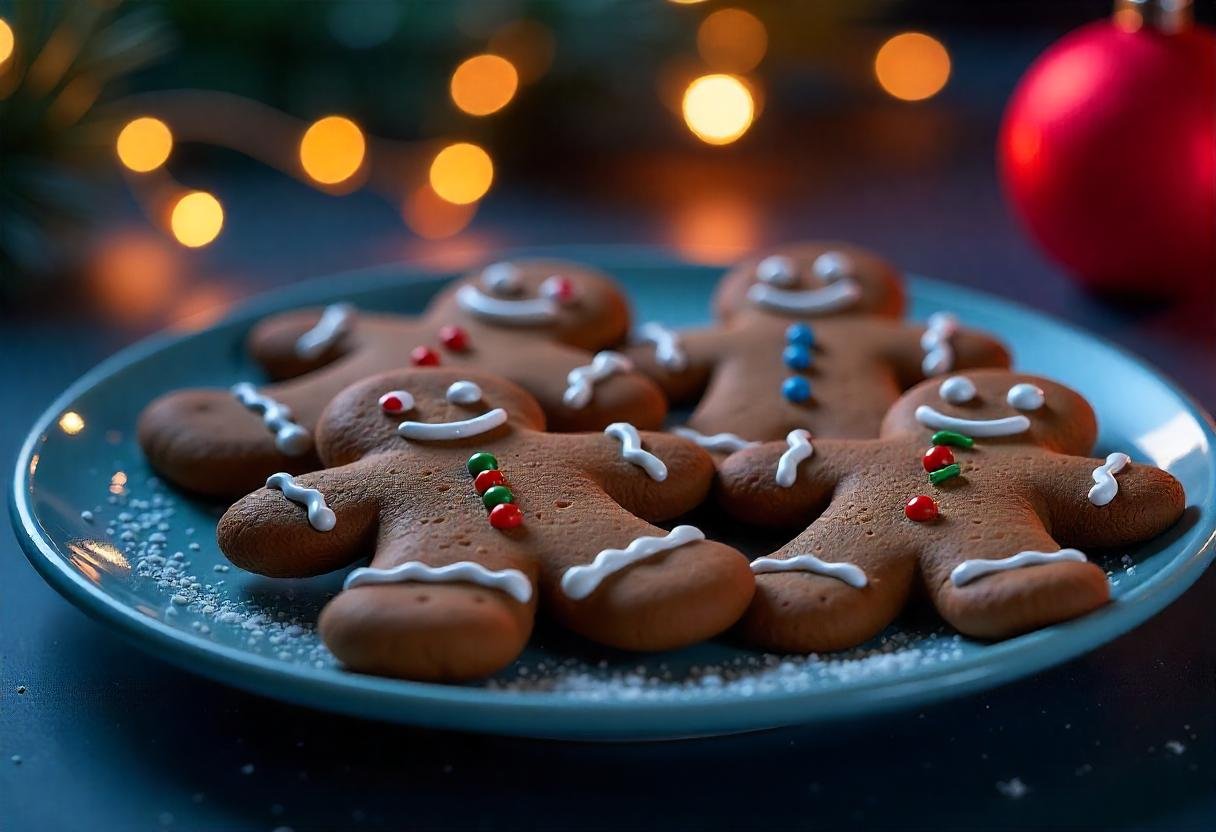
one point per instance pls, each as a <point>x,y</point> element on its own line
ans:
<point>421,356</point>
<point>939,456</point>
<point>506,516</point>
<point>1108,150</point>
<point>454,338</point>
<point>488,479</point>
<point>921,508</point>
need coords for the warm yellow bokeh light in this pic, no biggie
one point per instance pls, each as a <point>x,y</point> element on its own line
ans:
<point>197,219</point>
<point>461,173</point>
<point>484,84</point>
<point>7,41</point>
<point>71,423</point>
<point>718,108</point>
<point>433,218</point>
<point>332,150</point>
<point>732,40</point>
<point>912,66</point>
<point>144,144</point>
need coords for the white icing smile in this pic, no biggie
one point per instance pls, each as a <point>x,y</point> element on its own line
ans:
<point>936,420</point>
<point>461,429</point>
<point>831,298</point>
<point>530,311</point>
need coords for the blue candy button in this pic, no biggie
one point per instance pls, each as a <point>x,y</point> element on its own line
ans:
<point>800,335</point>
<point>796,389</point>
<point>796,357</point>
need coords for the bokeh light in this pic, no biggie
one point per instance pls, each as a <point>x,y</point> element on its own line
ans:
<point>462,173</point>
<point>8,42</point>
<point>732,40</point>
<point>134,274</point>
<point>144,144</point>
<point>484,84</point>
<point>197,219</point>
<point>332,150</point>
<point>71,423</point>
<point>433,218</point>
<point>718,108</point>
<point>912,66</point>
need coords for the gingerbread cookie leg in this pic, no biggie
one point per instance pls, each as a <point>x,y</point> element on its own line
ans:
<point>430,610</point>
<point>1010,580</point>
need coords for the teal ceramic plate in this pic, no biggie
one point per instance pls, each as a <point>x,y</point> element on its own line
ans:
<point>143,559</point>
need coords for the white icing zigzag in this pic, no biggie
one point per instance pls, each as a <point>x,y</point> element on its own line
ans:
<point>846,572</point>
<point>800,448</point>
<point>726,443</point>
<point>511,581</point>
<point>335,322</point>
<point>1105,486</point>
<point>320,516</point>
<point>668,350</point>
<point>935,341</point>
<point>581,581</point>
<point>581,380</point>
<point>970,570</point>
<point>289,438</point>
<point>631,450</point>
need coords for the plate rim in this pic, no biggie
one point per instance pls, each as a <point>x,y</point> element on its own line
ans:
<point>516,712</point>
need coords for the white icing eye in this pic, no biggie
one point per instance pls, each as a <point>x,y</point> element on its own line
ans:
<point>777,270</point>
<point>558,288</point>
<point>957,390</point>
<point>464,392</point>
<point>396,401</point>
<point>502,278</point>
<point>1025,397</point>
<point>832,266</point>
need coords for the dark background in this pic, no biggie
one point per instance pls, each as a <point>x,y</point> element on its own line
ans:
<point>110,739</point>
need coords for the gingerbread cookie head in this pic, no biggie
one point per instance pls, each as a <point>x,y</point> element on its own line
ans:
<point>812,280</point>
<point>573,304</point>
<point>999,407</point>
<point>454,406</point>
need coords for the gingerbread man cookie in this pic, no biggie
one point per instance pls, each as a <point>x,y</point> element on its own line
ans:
<point>978,488</point>
<point>810,338</point>
<point>538,323</point>
<point>472,515</point>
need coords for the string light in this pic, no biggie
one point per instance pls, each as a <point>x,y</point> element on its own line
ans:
<point>732,40</point>
<point>433,218</point>
<point>718,108</point>
<point>912,66</point>
<point>8,41</point>
<point>484,84</point>
<point>144,144</point>
<point>332,150</point>
<point>197,219</point>
<point>462,173</point>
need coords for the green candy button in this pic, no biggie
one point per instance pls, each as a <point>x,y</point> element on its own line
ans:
<point>481,461</point>
<point>497,495</point>
<point>949,437</point>
<point>943,474</point>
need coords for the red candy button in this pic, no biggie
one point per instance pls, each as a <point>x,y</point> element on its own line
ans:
<point>560,289</point>
<point>938,456</point>
<point>506,516</point>
<point>454,338</point>
<point>921,508</point>
<point>423,357</point>
<point>394,402</point>
<point>488,479</point>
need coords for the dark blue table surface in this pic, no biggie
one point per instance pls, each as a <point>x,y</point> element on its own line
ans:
<point>96,735</point>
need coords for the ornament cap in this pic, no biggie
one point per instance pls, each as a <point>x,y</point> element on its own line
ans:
<point>1166,16</point>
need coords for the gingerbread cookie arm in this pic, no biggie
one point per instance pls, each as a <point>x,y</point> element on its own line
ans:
<point>656,476</point>
<point>296,527</point>
<point>429,608</point>
<point>1008,575</point>
<point>680,361</point>
<point>780,483</point>
<point>940,348</point>
<point>620,581</point>
<point>1107,502</point>
<point>580,391</point>
<point>297,342</point>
